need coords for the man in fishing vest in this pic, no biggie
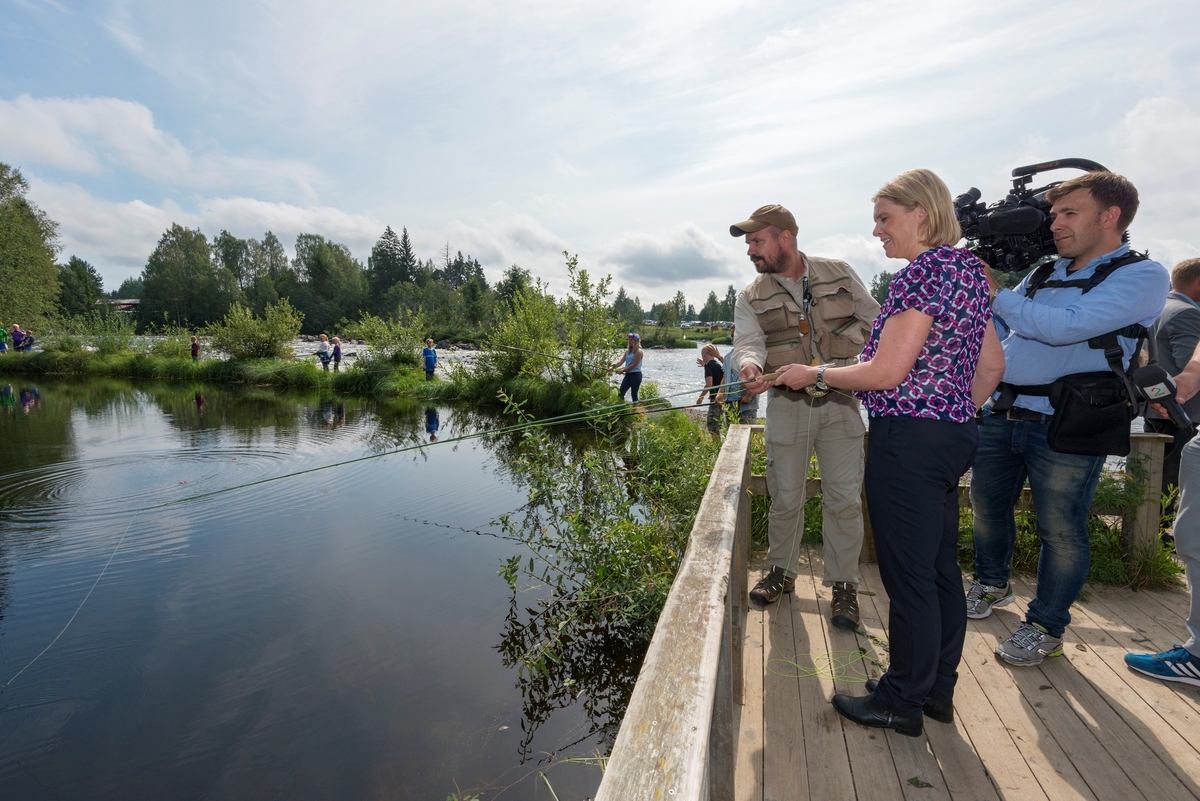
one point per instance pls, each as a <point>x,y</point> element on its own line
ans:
<point>1097,290</point>
<point>805,310</point>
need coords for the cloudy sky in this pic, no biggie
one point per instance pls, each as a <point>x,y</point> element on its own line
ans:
<point>631,133</point>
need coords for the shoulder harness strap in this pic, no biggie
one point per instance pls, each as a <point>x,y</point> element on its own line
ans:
<point>1113,353</point>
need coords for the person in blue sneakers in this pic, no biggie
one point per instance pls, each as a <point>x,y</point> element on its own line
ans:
<point>1182,662</point>
<point>429,357</point>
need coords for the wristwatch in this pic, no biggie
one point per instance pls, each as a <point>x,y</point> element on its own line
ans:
<point>821,385</point>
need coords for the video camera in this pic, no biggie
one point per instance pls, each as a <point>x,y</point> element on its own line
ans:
<point>1014,234</point>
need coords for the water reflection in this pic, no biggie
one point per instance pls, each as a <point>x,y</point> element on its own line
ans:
<point>330,635</point>
<point>599,669</point>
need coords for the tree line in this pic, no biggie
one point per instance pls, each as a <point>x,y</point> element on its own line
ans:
<point>191,280</point>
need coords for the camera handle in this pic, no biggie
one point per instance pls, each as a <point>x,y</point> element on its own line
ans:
<point>1023,176</point>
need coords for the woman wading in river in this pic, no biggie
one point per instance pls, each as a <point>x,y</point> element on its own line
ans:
<point>631,366</point>
<point>932,358</point>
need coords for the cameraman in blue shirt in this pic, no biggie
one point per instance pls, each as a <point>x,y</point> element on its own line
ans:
<point>1044,326</point>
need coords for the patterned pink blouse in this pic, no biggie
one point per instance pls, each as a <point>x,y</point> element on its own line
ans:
<point>948,284</point>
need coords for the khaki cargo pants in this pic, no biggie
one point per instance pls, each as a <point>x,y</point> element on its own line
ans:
<point>833,427</point>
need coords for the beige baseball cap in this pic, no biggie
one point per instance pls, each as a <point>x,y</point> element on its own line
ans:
<point>763,216</point>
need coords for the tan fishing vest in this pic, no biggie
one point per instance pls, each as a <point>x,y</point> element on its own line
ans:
<point>833,333</point>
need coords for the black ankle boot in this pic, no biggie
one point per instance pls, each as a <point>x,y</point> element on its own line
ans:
<point>941,712</point>
<point>866,711</point>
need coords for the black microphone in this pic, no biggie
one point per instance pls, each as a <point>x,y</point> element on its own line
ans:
<point>1157,386</point>
<point>1017,221</point>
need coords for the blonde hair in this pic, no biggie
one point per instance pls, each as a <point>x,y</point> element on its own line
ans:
<point>923,188</point>
<point>710,350</point>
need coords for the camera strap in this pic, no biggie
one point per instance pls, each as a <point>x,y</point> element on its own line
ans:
<point>1113,353</point>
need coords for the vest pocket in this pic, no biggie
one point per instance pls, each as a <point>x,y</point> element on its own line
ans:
<point>839,334</point>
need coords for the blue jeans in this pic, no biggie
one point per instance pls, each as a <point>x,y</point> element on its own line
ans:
<point>631,381</point>
<point>1063,486</point>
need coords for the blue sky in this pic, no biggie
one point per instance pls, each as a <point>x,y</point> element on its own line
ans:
<point>632,134</point>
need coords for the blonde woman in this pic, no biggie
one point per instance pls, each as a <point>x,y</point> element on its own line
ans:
<point>630,366</point>
<point>714,376</point>
<point>932,359</point>
<point>323,353</point>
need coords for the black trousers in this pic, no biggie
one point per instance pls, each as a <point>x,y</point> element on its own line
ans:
<point>912,471</point>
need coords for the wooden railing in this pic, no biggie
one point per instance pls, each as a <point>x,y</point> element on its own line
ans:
<point>676,740</point>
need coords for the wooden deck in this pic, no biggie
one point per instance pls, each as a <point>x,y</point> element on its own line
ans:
<point>1081,726</point>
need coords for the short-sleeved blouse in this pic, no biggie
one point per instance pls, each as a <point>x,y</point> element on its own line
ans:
<point>949,285</point>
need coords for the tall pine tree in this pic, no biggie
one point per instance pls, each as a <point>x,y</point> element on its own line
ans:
<point>385,265</point>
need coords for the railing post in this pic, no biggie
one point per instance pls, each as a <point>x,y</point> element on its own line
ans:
<point>1139,530</point>
<point>739,579</point>
<point>720,734</point>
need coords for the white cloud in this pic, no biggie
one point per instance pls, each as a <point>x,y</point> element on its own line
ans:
<point>864,254</point>
<point>684,255</point>
<point>103,135</point>
<point>1158,140</point>
<point>118,237</point>
<point>1169,252</point>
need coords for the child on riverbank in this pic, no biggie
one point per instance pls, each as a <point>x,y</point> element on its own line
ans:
<point>323,352</point>
<point>429,356</point>
<point>337,354</point>
<point>195,350</point>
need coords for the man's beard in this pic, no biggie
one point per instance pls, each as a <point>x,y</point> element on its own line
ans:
<point>765,266</point>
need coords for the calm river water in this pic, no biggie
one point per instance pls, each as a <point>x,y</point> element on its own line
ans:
<point>339,634</point>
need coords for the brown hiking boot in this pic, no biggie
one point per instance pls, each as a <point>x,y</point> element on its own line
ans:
<point>771,586</point>
<point>844,609</point>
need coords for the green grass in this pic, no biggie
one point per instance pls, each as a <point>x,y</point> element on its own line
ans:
<point>280,374</point>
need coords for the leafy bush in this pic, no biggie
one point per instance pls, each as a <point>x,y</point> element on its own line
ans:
<point>391,342</point>
<point>524,344</point>
<point>107,334</point>
<point>173,343</point>
<point>61,341</point>
<point>244,336</point>
<point>588,326</point>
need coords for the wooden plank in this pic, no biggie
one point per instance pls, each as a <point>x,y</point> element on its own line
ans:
<point>962,767</point>
<point>1159,716</point>
<point>1167,608</point>
<point>1054,771</point>
<point>721,758</point>
<point>1114,637</point>
<point>870,753</point>
<point>1099,767</point>
<point>785,765</point>
<point>911,755</point>
<point>1094,705</point>
<point>748,718</point>
<point>821,724</point>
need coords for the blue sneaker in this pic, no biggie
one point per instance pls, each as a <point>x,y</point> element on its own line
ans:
<point>1178,664</point>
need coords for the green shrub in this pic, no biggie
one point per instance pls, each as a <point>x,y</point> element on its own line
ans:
<point>391,342</point>
<point>244,336</point>
<point>525,343</point>
<point>174,343</point>
<point>107,334</point>
<point>62,342</point>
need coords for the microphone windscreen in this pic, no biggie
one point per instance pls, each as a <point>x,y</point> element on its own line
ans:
<point>1155,382</point>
